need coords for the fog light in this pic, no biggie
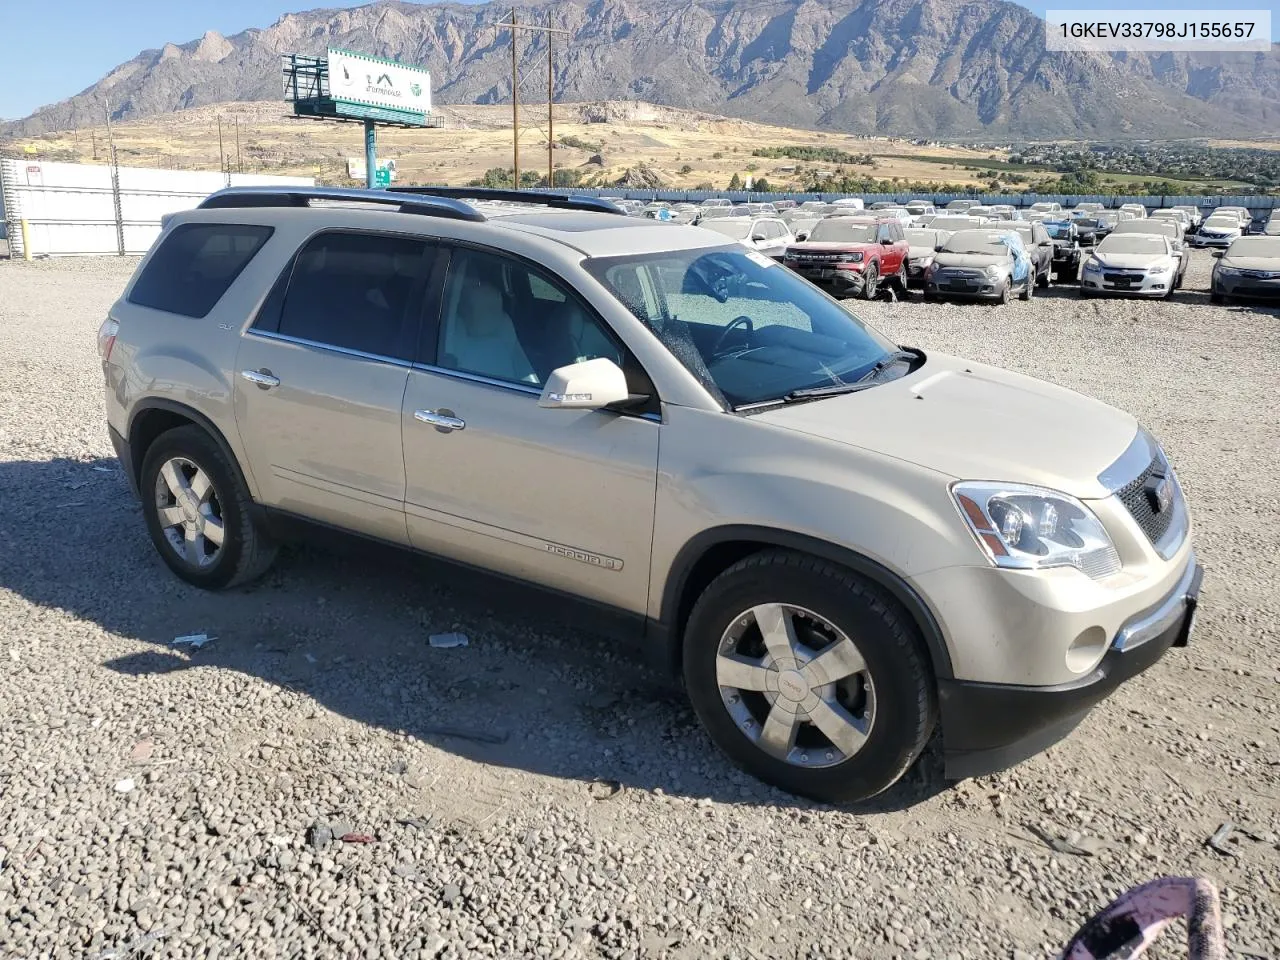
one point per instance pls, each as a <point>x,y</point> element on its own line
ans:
<point>1086,650</point>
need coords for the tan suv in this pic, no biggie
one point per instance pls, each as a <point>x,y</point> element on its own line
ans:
<point>839,543</point>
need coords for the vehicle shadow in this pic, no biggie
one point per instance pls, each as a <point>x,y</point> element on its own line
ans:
<point>535,689</point>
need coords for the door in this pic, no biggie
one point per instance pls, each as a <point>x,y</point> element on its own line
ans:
<point>321,377</point>
<point>562,498</point>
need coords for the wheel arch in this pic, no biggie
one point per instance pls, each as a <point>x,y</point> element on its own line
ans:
<point>156,415</point>
<point>712,551</point>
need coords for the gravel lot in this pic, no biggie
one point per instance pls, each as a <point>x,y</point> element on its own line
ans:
<point>583,814</point>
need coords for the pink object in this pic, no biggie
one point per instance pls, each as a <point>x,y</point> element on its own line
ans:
<point>1127,927</point>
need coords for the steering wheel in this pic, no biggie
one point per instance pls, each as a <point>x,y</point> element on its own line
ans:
<point>737,322</point>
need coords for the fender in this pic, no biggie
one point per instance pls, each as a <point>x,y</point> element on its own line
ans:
<point>669,628</point>
<point>137,453</point>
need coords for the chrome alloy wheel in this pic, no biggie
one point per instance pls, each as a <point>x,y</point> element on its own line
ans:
<point>795,685</point>
<point>189,512</point>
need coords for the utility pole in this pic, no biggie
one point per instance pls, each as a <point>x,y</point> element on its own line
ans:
<point>515,26</point>
<point>239,162</point>
<point>551,96</point>
<point>222,157</point>
<point>115,182</point>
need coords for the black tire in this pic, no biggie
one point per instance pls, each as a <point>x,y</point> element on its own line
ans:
<point>871,282</point>
<point>246,551</point>
<point>1028,291</point>
<point>1216,297</point>
<point>895,657</point>
<point>1042,279</point>
<point>1004,297</point>
<point>901,281</point>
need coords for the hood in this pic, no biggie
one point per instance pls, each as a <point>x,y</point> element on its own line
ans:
<point>919,252</point>
<point>1267,264</point>
<point>818,247</point>
<point>1132,261</point>
<point>975,422</point>
<point>969,260</point>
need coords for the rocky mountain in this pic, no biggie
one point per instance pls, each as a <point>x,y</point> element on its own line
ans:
<point>937,68</point>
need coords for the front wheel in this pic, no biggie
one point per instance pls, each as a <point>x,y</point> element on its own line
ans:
<point>1029,289</point>
<point>808,677</point>
<point>1216,297</point>
<point>199,513</point>
<point>1042,280</point>
<point>870,283</point>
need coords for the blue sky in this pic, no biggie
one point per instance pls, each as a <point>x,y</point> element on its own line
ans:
<point>59,47</point>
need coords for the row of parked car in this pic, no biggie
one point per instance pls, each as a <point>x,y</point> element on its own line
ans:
<point>974,251</point>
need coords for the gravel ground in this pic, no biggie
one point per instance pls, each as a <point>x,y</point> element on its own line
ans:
<point>536,794</point>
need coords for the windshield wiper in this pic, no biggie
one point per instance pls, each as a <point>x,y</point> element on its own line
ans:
<point>866,381</point>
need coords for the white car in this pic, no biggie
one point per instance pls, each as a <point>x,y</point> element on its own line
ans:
<point>1047,206</point>
<point>1220,230</point>
<point>845,204</point>
<point>981,210</point>
<point>761,209</point>
<point>1141,264</point>
<point>1138,210</point>
<point>1178,216</point>
<point>716,202</point>
<point>901,214</point>
<point>769,235</point>
<point>1241,213</point>
<point>1087,209</point>
<point>952,223</point>
<point>921,208</point>
<point>960,206</point>
<point>1158,227</point>
<point>1193,214</point>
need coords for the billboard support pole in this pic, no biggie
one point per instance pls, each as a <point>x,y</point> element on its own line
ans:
<point>370,154</point>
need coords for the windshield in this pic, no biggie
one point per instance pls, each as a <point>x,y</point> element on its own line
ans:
<point>960,205</point>
<point>1132,243</point>
<point>1059,230</point>
<point>1255,247</point>
<point>1222,223</point>
<point>977,242</point>
<point>750,330</point>
<point>952,223</point>
<point>737,228</point>
<point>921,238</point>
<point>842,231</point>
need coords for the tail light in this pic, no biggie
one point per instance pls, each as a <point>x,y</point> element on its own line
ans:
<point>107,337</point>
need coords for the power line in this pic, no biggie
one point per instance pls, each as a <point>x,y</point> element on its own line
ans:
<point>515,26</point>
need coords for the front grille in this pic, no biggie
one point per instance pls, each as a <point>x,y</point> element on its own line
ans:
<point>1137,501</point>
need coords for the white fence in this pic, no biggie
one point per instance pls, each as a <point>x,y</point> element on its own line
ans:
<point>60,209</point>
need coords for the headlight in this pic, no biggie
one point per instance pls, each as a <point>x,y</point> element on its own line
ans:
<point>1031,528</point>
<point>1092,265</point>
<point>924,263</point>
<point>1157,270</point>
<point>994,272</point>
<point>1227,271</point>
<point>932,269</point>
<point>853,258</point>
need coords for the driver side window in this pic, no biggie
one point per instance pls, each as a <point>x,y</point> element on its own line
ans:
<point>507,321</point>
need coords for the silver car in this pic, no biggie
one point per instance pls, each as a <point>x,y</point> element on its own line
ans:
<point>839,543</point>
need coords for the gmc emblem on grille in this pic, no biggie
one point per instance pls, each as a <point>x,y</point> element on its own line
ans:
<point>1160,493</point>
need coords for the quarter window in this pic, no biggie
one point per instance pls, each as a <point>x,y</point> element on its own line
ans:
<point>195,265</point>
<point>358,292</point>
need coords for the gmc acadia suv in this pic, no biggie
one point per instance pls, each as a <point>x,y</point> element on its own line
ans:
<point>830,537</point>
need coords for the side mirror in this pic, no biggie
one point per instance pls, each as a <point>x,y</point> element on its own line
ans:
<point>938,248</point>
<point>802,237</point>
<point>1218,254</point>
<point>589,385</point>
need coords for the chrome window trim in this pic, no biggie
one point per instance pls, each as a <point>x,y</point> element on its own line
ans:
<point>478,378</point>
<point>333,348</point>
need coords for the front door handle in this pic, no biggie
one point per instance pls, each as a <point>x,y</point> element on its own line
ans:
<point>263,378</point>
<point>443,420</point>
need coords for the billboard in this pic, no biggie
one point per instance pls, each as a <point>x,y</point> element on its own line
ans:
<point>383,173</point>
<point>360,78</point>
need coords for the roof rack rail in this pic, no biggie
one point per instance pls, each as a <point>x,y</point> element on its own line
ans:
<point>559,201</point>
<point>430,206</point>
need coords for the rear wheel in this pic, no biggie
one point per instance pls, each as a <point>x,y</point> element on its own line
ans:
<point>808,677</point>
<point>199,513</point>
<point>870,283</point>
<point>1028,290</point>
<point>1042,280</point>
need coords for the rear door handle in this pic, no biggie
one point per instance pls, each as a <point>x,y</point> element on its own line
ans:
<point>263,378</point>
<point>443,420</point>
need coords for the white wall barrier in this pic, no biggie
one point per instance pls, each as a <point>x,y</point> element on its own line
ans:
<point>69,208</point>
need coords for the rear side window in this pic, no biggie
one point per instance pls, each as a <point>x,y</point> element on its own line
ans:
<point>194,266</point>
<point>359,292</point>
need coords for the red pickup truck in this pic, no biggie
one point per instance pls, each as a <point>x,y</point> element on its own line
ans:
<point>852,256</point>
